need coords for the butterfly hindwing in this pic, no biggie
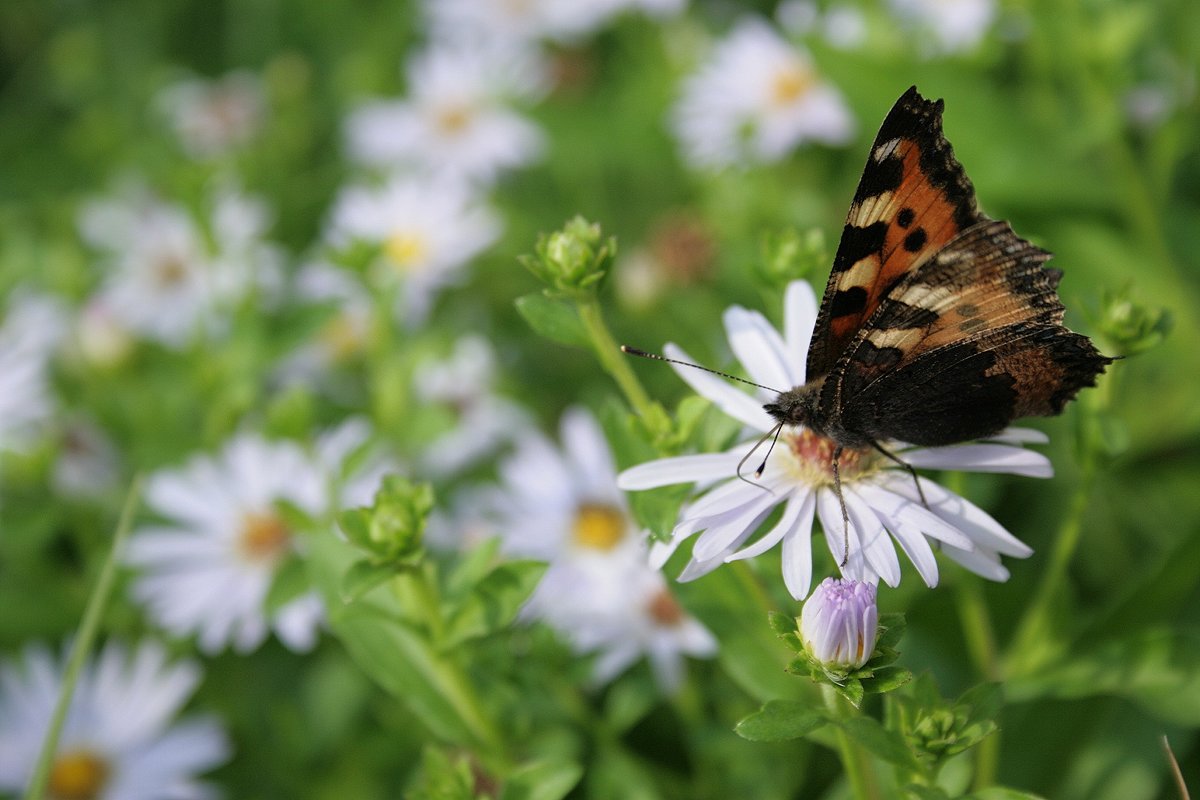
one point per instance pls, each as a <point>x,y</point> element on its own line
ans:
<point>967,342</point>
<point>912,199</point>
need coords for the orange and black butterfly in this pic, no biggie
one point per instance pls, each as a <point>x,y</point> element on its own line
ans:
<point>938,324</point>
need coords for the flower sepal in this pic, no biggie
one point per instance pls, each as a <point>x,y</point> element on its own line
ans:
<point>391,531</point>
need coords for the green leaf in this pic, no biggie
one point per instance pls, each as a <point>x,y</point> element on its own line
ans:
<point>494,602</point>
<point>443,778</point>
<point>356,524</point>
<point>887,745</point>
<point>554,319</point>
<point>780,720</point>
<point>290,582</point>
<point>782,624</point>
<point>919,792</point>
<point>542,780</point>
<point>886,679</point>
<point>364,576</point>
<point>852,690</point>
<point>472,567</point>
<point>891,630</point>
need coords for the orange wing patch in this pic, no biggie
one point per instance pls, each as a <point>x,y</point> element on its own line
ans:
<point>912,199</point>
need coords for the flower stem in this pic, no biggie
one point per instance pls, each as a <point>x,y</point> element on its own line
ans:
<point>864,785</point>
<point>617,366</point>
<point>83,644</point>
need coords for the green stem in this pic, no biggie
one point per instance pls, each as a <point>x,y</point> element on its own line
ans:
<point>83,644</point>
<point>418,590</point>
<point>981,644</point>
<point>864,785</point>
<point>617,366</point>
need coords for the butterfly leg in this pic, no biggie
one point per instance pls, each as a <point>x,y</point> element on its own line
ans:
<point>837,489</point>
<point>907,466</point>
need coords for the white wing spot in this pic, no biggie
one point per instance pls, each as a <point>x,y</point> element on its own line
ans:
<point>884,150</point>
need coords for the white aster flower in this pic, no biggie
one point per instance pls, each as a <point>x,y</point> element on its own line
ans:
<point>209,569</point>
<point>882,501</point>
<point>843,26</point>
<point>427,232</point>
<point>213,117</point>
<point>31,331</point>
<point>951,26</point>
<point>755,100</point>
<point>514,23</point>
<point>164,279</point>
<point>565,508</point>
<point>119,741</point>
<point>342,337</point>
<point>455,121</point>
<point>465,384</point>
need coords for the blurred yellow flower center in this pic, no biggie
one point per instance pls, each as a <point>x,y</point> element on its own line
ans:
<point>342,337</point>
<point>79,775</point>
<point>812,458</point>
<point>599,527</point>
<point>170,272</point>
<point>453,119</point>
<point>406,249</point>
<point>791,83</point>
<point>665,609</point>
<point>263,537</point>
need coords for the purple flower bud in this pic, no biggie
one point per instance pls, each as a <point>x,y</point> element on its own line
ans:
<point>839,623</point>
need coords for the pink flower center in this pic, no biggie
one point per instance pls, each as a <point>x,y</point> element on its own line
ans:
<point>665,609</point>
<point>813,458</point>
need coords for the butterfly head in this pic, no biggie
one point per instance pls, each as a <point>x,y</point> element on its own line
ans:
<point>799,405</point>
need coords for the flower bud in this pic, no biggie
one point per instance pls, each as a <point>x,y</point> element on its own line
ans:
<point>573,260</point>
<point>839,622</point>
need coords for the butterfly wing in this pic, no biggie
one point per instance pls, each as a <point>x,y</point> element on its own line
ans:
<point>970,340</point>
<point>912,199</point>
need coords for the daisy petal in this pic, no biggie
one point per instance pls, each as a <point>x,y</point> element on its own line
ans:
<point>797,550</point>
<point>717,539</point>
<point>791,514</point>
<point>758,346</point>
<point>733,402</point>
<point>983,458</point>
<point>876,545</point>
<point>701,468</point>
<point>799,319</point>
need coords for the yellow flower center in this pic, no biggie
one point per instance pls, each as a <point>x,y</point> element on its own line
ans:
<point>665,609</point>
<point>170,272</point>
<point>453,119</point>
<point>812,458</point>
<point>599,527</point>
<point>406,250</point>
<point>791,83</point>
<point>78,775</point>
<point>342,337</point>
<point>263,537</point>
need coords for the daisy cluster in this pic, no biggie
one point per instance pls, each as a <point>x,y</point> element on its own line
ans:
<point>264,376</point>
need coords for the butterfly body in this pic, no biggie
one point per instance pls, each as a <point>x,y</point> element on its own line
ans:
<point>938,324</point>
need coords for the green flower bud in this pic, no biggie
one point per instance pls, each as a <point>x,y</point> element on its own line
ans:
<point>574,260</point>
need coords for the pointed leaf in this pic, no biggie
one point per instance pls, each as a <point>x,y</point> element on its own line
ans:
<point>542,780</point>
<point>362,577</point>
<point>887,745</point>
<point>553,319</point>
<point>494,602</point>
<point>780,720</point>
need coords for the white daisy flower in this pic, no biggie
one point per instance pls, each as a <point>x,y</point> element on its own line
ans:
<point>31,331</point>
<point>213,117</point>
<point>514,24</point>
<point>565,508</point>
<point>842,26</point>
<point>881,499</point>
<point>209,569</point>
<point>427,232</point>
<point>951,26</point>
<point>119,741</point>
<point>755,100</point>
<point>455,121</point>
<point>164,280</point>
<point>464,383</point>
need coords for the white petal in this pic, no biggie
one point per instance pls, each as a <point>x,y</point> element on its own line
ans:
<point>983,458</point>
<point>733,402</point>
<point>893,505</point>
<point>797,550</point>
<point>876,544</point>
<point>588,452</point>
<point>916,547</point>
<point>700,468</point>
<point>977,524</point>
<point>1020,436</point>
<point>791,512</point>
<point>841,540</point>
<point>759,347</point>
<point>981,562</point>
<point>799,319</point>
<point>718,539</point>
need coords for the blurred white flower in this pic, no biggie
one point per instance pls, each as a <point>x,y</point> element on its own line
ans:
<point>455,121</point>
<point>212,117</point>
<point>164,280</point>
<point>843,26</point>
<point>99,338</point>
<point>839,623</point>
<point>755,100</point>
<point>119,741</point>
<point>515,24</point>
<point>881,498</point>
<point>946,26</point>
<point>464,383</point>
<point>209,569</point>
<point>32,329</point>
<point>427,232</point>
<point>341,338</point>
<point>564,508</point>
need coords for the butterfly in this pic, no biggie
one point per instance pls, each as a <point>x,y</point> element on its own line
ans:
<point>938,324</point>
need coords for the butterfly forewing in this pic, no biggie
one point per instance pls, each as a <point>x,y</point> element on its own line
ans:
<point>912,199</point>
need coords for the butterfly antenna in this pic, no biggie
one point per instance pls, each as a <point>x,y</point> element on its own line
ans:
<point>837,489</point>
<point>633,351</point>
<point>758,473</point>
